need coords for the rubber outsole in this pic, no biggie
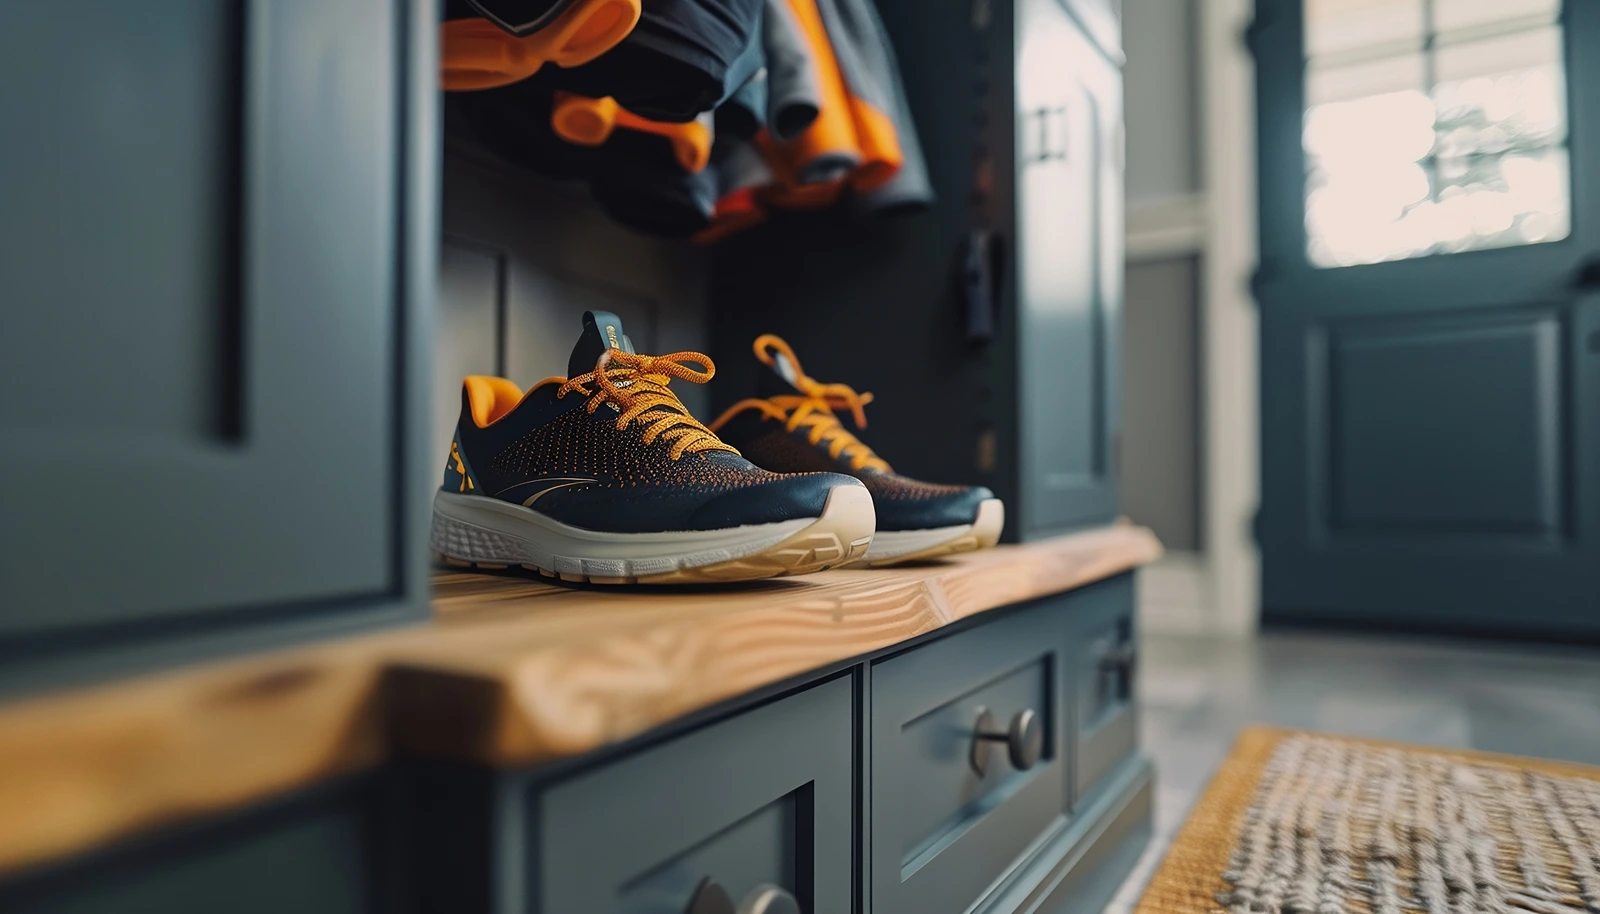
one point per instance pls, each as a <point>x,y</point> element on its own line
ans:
<point>840,535</point>
<point>982,533</point>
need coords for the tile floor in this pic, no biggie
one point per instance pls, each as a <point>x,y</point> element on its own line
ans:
<point>1197,694</point>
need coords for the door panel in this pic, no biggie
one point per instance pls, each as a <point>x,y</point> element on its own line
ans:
<point>200,342</point>
<point>1404,406</point>
<point>1430,434</point>
<point>1069,267</point>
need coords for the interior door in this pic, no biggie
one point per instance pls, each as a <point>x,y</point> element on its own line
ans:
<point>1069,270</point>
<point>1430,333</point>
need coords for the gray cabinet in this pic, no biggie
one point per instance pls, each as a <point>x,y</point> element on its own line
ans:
<point>1069,240</point>
<point>977,770</point>
<point>952,810</point>
<point>984,769</point>
<point>322,852</point>
<point>762,799</point>
<point>216,230</point>
<point>1105,661</point>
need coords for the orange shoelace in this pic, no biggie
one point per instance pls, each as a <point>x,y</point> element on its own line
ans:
<point>636,385</point>
<point>813,408</point>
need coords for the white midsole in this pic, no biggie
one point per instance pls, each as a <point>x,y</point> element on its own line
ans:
<point>477,528</point>
<point>890,544</point>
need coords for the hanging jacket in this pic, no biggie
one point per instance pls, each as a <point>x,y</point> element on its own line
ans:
<point>682,59</point>
<point>485,44</point>
<point>894,172</point>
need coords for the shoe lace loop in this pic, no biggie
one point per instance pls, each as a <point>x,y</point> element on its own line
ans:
<point>813,408</point>
<point>636,386</point>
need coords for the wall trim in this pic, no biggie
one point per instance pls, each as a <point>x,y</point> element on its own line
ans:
<point>1175,595</point>
<point>1166,227</point>
<point>1231,412</point>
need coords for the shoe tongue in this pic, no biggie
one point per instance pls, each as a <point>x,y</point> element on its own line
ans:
<point>779,378</point>
<point>602,331</point>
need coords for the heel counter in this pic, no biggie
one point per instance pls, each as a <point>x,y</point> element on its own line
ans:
<point>457,475</point>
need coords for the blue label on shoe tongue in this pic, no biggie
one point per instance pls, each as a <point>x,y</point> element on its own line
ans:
<point>602,331</point>
<point>785,369</point>
<point>610,327</point>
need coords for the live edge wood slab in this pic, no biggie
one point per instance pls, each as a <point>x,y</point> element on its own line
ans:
<point>511,672</point>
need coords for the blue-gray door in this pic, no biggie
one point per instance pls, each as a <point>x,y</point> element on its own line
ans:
<point>1430,346</point>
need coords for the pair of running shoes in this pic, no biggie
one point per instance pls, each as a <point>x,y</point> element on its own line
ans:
<point>604,476</point>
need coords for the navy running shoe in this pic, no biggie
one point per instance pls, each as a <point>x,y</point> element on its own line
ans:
<point>604,476</point>
<point>797,431</point>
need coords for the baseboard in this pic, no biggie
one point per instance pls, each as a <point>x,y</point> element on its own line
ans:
<point>1175,596</point>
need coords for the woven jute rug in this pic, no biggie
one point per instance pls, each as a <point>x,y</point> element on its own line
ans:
<point>1309,824</point>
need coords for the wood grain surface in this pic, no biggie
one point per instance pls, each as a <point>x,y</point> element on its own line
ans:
<point>85,767</point>
<point>511,672</point>
<point>529,672</point>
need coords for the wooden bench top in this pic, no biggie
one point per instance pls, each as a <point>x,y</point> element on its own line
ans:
<point>511,672</point>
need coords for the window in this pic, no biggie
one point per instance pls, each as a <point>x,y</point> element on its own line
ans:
<point>1433,127</point>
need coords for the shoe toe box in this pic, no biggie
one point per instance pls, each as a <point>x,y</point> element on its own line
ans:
<point>936,506</point>
<point>784,498</point>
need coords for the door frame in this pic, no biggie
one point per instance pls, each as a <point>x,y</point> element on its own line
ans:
<point>1229,317</point>
<point>1216,591</point>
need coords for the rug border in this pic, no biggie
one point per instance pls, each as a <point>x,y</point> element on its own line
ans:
<point>1190,874</point>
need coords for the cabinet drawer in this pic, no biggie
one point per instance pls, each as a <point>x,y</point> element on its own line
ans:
<point>950,810</point>
<point>1106,659</point>
<point>761,799</point>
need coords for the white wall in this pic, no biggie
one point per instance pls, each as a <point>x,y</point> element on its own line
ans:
<point>1191,248</point>
<point>1161,405</point>
<point>1160,80</point>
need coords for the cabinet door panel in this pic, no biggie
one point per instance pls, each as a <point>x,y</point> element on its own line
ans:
<point>1069,264</point>
<point>1105,666</point>
<point>941,830</point>
<point>761,799</point>
<point>204,318</point>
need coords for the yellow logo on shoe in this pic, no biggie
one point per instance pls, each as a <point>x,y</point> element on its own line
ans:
<point>460,467</point>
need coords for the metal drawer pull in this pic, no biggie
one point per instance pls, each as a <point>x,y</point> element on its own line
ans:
<point>769,899</point>
<point>1119,659</point>
<point>710,898</point>
<point>1024,740</point>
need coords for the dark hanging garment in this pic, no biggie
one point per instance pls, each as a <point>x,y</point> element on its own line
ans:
<point>893,172</point>
<point>741,174</point>
<point>683,58</point>
<point>783,96</point>
<point>513,123</point>
<point>486,44</point>
<point>793,95</point>
<point>518,17</point>
<point>911,187</point>
<point>745,112</point>
<point>638,184</point>
<point>635,177</point>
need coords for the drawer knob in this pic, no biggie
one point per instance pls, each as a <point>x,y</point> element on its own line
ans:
<point>710,898</point>
<point>769,899</point>
<point>1024,739</point>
